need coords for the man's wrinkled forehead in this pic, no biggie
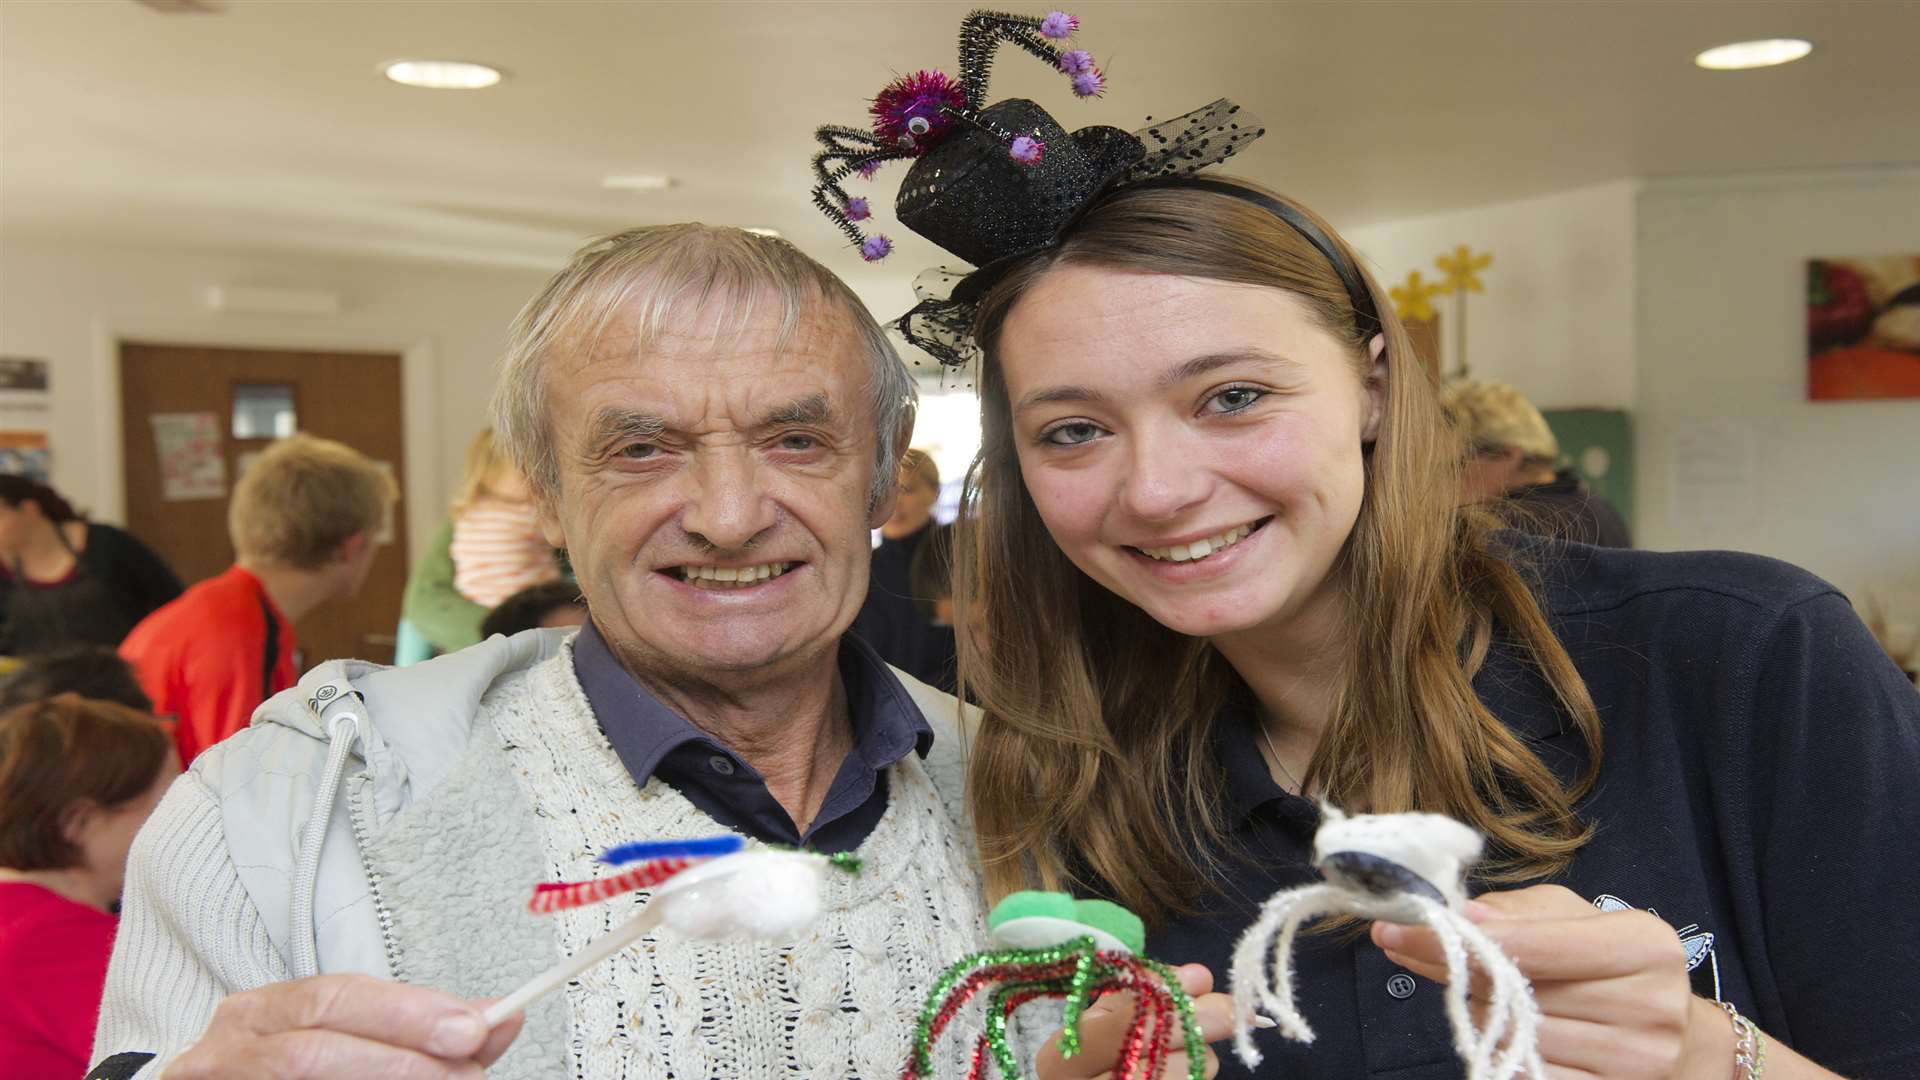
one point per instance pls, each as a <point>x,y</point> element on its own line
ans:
<point>764,326</point>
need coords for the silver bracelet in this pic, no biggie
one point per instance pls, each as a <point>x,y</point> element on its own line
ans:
<point>1749,1046</point>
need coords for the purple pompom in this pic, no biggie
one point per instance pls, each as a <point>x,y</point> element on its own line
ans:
<point>875,248</point>
<point>1076,61</point>
<point>1026,149</point>
<point>1058,24</point>
<point>858,210</point>
<point>869,170</point>
<point>1089,83</point>
<point>915,111</point>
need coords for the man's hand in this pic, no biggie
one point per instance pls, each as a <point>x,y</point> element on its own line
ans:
<point>344,1026</point>
<point>1613,990</point>
<point>1103,1029</point>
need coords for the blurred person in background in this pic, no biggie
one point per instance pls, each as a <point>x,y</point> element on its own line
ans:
<point>436,616</point>
<point>77,779</point>
<point>889,620</point>
<point>1512,455</point>
<point>92,671</point>
<point>497,545</point>
<point>65,580</point>
<point>555,604</point>
<point>930,578</point>
<point>303,521</point>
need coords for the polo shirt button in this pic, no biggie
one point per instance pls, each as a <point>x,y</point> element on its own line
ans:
<point>720,764</point>
<point>1401,986</point>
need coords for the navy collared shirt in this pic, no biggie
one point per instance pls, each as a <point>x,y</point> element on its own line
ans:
<point>654,741</point>
<point>1756,790</point>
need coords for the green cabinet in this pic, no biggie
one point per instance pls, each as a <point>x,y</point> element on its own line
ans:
<point>1598,443</point>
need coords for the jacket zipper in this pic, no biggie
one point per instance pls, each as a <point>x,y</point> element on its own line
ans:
<point>356,800</point>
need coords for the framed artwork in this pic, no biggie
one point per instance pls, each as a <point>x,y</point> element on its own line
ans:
<point>1863,328</point>
<point>26,453</point>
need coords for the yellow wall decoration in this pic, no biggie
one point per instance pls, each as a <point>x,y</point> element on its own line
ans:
<point>1461,275</point>
<point>1461,269</point>
<point>1413,299</point>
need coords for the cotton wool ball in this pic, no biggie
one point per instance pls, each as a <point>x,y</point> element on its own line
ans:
<point>698,911</point>
<point>775,899</point>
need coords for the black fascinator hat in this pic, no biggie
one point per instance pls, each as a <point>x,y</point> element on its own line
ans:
<point>993,183</point>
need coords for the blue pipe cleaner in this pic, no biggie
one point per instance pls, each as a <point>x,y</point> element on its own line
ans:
<point>671,849</point>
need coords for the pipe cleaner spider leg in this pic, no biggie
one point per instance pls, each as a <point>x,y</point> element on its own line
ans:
<point>1510,1003</point>
<point>1196,1045</point>
<point>962,983</point>
<point>848,150</point>
<point>1473,1049</point>
<point>981,35</point>
<point>1083,967</point>
<point>1279,918</point>
<point>853,147</point>
<point>1000,1008</point>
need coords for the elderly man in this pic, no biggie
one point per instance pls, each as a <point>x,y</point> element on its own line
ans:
<point>1513,457</point>
<point>712,424</point>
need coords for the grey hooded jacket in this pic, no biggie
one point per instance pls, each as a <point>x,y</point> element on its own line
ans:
<point>336,835</point>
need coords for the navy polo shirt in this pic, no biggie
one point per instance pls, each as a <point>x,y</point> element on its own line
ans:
<point>1757,791</point>
<point>654,741</point>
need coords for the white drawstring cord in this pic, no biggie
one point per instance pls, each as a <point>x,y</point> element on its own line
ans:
<point>342,730</point>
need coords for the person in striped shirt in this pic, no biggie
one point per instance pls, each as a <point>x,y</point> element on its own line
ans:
<point>497,549</point>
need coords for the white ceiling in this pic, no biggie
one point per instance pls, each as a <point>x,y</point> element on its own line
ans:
<point>267,126</point>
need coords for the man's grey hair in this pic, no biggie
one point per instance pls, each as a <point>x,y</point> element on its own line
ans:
<point>655,273</point>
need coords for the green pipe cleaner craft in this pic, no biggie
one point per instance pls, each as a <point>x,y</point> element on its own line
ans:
<point>1059,947</point>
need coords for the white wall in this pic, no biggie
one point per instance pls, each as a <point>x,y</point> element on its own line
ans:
<point>65,301</point>
<point>1556,320</point>
<point>1722,340</point>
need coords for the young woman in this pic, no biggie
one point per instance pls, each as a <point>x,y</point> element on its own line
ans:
<point>65,580</point>
<point>1213,528</point>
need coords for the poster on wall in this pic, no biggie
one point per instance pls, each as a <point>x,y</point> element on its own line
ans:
<point>26,453</point>
<point>1863,327</point>
<point>1715,480</point>
<point>187,446</point>
<point>23,383</point>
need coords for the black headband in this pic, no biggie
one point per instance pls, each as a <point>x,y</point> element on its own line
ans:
<point>1356,285</point>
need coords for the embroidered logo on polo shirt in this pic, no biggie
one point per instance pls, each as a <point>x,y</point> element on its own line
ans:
<point>1697,942</point>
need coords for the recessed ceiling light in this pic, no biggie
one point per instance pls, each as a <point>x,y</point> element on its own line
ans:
<point>441,74</point>
<point>1753,54</point>
<point>637,182</point>
<point>757,231</point>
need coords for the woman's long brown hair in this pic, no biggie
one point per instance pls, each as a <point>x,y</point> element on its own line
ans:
<point>1094,765</point>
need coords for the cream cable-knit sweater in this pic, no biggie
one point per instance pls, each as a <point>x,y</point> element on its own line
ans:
<point>839,1002</point>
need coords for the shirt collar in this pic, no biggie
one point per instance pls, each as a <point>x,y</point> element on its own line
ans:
<point>643,730</point>
<point>1250,786</point>
<point>1515,692</point>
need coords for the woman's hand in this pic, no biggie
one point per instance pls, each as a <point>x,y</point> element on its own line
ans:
<point>1615,999</point>
<point>1103,1029</point>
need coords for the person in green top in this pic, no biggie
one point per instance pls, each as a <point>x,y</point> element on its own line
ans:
<point>434,617</point>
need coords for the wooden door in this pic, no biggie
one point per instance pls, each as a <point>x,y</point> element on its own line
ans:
<point>351,397</point>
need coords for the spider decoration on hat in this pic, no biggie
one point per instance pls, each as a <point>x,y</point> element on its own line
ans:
<point>914,113</point>
<point>1053,946</point>
<point>1404,868</point>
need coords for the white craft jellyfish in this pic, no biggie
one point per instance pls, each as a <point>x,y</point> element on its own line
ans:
<point>1403,868</point>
